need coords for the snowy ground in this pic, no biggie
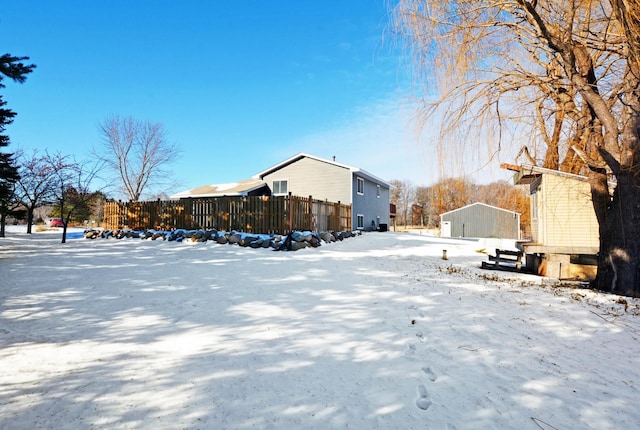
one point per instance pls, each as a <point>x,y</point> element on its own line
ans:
<point>374,332</point>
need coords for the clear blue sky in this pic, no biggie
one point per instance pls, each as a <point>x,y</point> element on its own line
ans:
<point>238,85</point>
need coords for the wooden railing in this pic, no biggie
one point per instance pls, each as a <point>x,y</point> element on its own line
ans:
<point>261,214</point>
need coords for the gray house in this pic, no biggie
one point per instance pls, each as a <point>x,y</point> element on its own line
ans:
<point>307,175</point>
<point>480,220</point>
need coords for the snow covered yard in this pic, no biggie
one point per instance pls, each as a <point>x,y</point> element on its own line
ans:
<point>373,332</point>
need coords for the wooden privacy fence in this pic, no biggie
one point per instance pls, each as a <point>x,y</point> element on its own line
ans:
<point>259,214</point>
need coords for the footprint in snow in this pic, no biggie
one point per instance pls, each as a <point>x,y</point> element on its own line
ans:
<point>411,350</point>
<point>424,400</point>
<point>430,374</point>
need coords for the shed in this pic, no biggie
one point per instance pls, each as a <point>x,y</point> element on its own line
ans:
<point>562,215</point>
<point>563,223</point>
<point>480,220</point>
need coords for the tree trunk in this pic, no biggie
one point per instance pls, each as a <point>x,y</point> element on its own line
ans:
<point>30,210</point>
<point>3,221</point>
<point>619,257</point>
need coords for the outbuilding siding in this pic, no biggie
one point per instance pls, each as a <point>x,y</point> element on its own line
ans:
<point>481,220</point>
<point>563,213</point>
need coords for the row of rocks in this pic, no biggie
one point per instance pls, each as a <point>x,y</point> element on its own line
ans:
<point>291,242</point>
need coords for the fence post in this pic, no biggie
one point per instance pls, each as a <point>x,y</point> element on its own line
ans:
<point>310,214</point>
<point>290,212</point>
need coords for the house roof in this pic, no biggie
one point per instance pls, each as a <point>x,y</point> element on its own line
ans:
<point>302,155</point>
<point>481,204</point>
<point>239,188</point>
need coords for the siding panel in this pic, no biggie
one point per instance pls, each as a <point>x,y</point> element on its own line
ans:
<point>567,213</point>
<point>310,177</point>
<point>480,220</point>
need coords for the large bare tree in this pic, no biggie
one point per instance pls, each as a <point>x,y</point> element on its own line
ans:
<point>36,186</point>
<point>562,77</point>
<point>72,185</point>
<point>402,194</point>
<point>137,152</point>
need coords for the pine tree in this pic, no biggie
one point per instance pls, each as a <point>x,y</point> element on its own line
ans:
<point>14,69</point>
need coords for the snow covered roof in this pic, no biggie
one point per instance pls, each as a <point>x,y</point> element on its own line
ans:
<point>240,188</point>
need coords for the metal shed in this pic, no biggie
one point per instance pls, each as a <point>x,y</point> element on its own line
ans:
<point>480,220</point>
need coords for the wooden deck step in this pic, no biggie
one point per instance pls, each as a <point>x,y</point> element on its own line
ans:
<point>502,257</point>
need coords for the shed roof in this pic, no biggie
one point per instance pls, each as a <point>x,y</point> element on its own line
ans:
<point>527,173</point>
<point>480,204</point>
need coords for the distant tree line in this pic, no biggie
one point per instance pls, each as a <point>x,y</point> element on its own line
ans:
<point>423,205</point>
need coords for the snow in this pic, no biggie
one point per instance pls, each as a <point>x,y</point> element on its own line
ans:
<point>374,332</point>
<point>223,187</point>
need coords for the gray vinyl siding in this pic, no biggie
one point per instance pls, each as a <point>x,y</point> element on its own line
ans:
<point>324,180</point>
<point>310,177</point>
<point>375,210</point>
<point>480,220</point>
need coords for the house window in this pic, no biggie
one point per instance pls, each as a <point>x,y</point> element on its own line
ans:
<point>280,187</point>
<point>378,191</point>
<point>360,186</point>
<point>360,221</point>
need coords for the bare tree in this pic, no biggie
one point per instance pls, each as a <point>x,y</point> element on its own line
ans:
<point>72,185</point>
<point>425,200</point>
<point>137,153</point>
<point>36,186</point>
<point>452,193</point>
<point>563,77</point>
<point>402,195</point>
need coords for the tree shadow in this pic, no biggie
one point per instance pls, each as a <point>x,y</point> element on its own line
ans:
<point>138,334</point>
